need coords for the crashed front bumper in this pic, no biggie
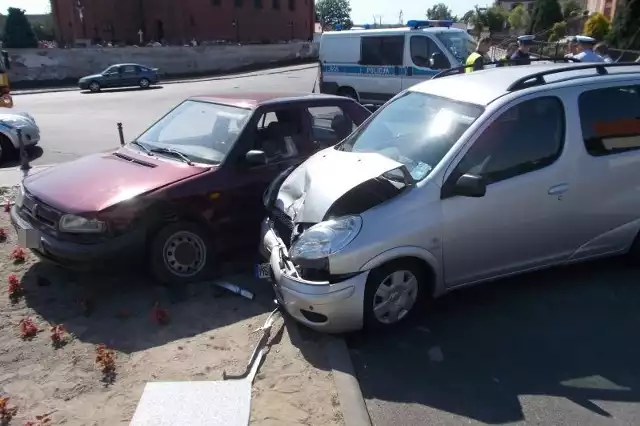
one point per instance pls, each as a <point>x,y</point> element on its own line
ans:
<point>335,307</point>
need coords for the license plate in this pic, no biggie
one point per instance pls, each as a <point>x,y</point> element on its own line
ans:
<point>28,237</point>
<point>263,271</point>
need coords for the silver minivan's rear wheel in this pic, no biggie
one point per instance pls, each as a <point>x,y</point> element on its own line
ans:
<point>395,292</point>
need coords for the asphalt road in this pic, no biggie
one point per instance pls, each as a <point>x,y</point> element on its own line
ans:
<point>553,348</point>
<point>75,123</point>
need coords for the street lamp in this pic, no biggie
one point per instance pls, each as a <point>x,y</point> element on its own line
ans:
<point>290,24</point>
<point>235,25</point>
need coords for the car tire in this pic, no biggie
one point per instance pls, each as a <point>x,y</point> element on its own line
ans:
<point>348,92</point>
<point>400,285</point>
<point>144,83</point>
<point>181,253</point>
<point>8,152</point>
<point>94,87</point>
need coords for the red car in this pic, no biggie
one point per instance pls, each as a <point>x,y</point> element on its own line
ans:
<point>185,191</point>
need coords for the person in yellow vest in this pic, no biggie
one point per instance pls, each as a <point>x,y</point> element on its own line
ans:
<point>504,60</point>
<point>476,60</point>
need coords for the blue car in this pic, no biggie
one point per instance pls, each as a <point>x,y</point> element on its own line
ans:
<point>120,75</point>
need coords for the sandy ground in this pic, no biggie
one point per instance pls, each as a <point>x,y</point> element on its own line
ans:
<point>209,331</point>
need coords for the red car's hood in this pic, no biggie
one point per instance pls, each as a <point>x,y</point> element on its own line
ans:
<point>98,181</point>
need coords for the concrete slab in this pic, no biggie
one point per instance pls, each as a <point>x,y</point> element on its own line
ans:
<point>13,176</point>
<point>206,403</point>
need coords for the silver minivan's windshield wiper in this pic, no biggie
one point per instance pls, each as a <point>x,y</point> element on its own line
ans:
<point>173,152</point>
<point>142,147</point>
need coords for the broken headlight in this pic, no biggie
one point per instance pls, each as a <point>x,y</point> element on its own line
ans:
<point>326,238</point>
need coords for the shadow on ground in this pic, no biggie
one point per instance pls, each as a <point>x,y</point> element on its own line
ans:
<point>569,333</point>
<point>119,90</point>
<point>34,153</point>
<point>117,309</point>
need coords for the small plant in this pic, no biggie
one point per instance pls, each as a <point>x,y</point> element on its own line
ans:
<point>41,420</point>
<point>58,336</point>
<point>106,361</point>
<point>6,411</point>
<point>15,288</point>
<point>18,255</point>
<point>28,328</point>
<point>160,315</point>
<point>3,235</point>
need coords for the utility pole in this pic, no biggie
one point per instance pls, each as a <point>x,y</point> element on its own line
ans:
<point>401,18</point>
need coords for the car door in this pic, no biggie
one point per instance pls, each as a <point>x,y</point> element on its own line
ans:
<point>112,77</point>
<point>421,48</point>
<point>128,76</point>
<point>520,222</point>
<point>606,199</point>
<point>283,133</point>
<point>381,61</point>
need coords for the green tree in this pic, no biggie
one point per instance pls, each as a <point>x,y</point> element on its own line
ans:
<point>466,18</point>
<point>519,18</point>
<point>625,33</point>
<point>545,14</point>
<point>18,33</point>
<point>334,13</point>
<point>558,31</point>
<point>42,32</point>
<point>597,26</point>
<point>439,11</point>
<point>570,8</point>
<point>495,19</point>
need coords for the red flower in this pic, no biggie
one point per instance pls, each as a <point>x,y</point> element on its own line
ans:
<point>28,328</point>
<point>3,235</point>
<point>160,315</point>
<point>18,255</point>
<point>15,287</point>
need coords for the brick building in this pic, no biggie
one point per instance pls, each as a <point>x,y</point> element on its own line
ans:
<point>178,21</point>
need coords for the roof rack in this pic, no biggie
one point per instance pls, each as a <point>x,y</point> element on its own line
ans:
<point>461,69</point>
<point>537,79</point>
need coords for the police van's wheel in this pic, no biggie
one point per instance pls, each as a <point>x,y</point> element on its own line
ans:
<point>347,92</point>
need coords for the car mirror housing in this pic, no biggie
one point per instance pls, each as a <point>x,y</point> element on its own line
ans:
<point>256,157</point>
<point>469,185</point>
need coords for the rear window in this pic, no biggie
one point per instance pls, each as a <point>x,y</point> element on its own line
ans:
<point>610,120</point>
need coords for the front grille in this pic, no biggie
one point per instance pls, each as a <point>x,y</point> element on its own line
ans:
<point>41,213</point>
<point>283,225</point>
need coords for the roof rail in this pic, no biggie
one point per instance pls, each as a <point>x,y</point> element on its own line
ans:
<point>461,69</point>
<point>537,79</point>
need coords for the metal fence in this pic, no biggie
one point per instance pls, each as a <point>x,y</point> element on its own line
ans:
<point>560,49</point>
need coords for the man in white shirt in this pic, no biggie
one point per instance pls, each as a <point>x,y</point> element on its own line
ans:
<point>603,51</point>
<point>585,49</point>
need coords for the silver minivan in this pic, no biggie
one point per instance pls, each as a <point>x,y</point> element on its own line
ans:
<point>456,181</point>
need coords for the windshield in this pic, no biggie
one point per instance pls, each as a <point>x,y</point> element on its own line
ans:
<point>415,129</point>
<point>202,131</point>
<point>459,43</point>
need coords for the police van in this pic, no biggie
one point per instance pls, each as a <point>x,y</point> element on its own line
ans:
<point>373,65</point>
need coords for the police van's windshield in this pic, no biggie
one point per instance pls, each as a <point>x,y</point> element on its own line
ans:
<point>415,129</point>
<point>459,43</point>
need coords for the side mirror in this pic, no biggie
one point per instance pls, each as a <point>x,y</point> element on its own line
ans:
<point>470,186</point>
<point>256,157</point>
<point>439,62</point>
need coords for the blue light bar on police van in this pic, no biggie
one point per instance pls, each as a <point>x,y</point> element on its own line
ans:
<point>417,24</point>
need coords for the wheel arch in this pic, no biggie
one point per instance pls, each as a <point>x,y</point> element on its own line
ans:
<point>421,256</point>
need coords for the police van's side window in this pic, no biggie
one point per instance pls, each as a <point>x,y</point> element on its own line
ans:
<point>615,128</point>
<point>422,47</point>
<point>527,137</point>
<point>383,51</point>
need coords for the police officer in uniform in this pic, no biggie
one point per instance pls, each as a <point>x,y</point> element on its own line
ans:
<point>585,50</point>
<point>476,60</point>
<point>521,56</point>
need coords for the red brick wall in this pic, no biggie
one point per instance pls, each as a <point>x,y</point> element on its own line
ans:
<point>183,20</point>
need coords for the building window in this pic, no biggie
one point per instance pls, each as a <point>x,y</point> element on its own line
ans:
<point>238,3</point>
<point>215,2</point>
<point>276,4</point>
<point>257,4</point>
<point>292,4</point>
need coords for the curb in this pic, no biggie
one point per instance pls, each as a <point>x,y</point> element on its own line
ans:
<point>352,405</point>
<point>229,76</point>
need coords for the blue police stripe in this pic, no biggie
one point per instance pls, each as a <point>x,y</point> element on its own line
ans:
<point>375,71</point>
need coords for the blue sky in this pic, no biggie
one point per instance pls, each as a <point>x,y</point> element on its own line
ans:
<point>362,10</point>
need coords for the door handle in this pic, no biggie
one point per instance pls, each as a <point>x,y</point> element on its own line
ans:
<point>558,189</point>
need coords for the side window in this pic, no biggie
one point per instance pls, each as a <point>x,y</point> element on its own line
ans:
<point>422,47</point>
<point>525,138</point>
<point>383,51</point>
<point>113,70</point>
<point>280,134</point>
<point>610,120</point>
<point>129,69</point>
<point>330,125</point>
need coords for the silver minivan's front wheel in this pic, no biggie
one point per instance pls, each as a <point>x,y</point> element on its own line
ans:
<point>395,292</point>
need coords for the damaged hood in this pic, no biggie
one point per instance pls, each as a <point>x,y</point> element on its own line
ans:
<point>308,193</point>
